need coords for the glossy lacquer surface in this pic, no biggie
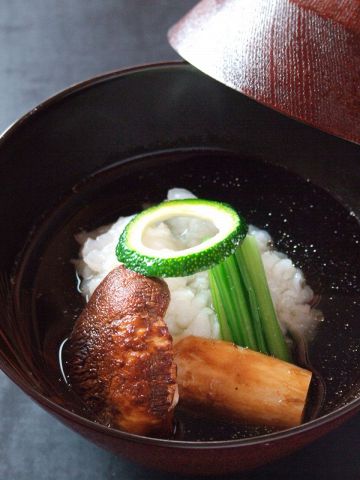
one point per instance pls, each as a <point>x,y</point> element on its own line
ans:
<point>301,57</point>
<point>214,149</point>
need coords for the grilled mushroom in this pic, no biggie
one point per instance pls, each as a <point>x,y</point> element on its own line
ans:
<point>121,354</point>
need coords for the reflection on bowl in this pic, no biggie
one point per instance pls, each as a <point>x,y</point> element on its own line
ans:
<point>107,147</point>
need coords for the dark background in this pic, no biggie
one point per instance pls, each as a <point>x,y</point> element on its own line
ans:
<point>45,46</point>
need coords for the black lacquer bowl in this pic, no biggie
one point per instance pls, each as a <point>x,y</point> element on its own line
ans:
<point>110,145</point>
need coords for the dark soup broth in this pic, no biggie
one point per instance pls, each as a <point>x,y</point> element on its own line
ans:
<point>314,229</point>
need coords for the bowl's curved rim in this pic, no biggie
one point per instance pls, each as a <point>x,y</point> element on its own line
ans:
<point>344,411</point>
<point>92,81</point>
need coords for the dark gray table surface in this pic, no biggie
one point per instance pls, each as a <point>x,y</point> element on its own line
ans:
<point>45,46</point>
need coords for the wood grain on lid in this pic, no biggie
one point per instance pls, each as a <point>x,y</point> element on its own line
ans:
<point>300,57</point>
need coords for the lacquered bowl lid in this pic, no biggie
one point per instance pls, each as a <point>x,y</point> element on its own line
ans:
<point>300,57</point>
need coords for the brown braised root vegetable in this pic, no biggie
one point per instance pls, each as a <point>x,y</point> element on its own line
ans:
<point>240,383</point>
<point>121,354</point>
